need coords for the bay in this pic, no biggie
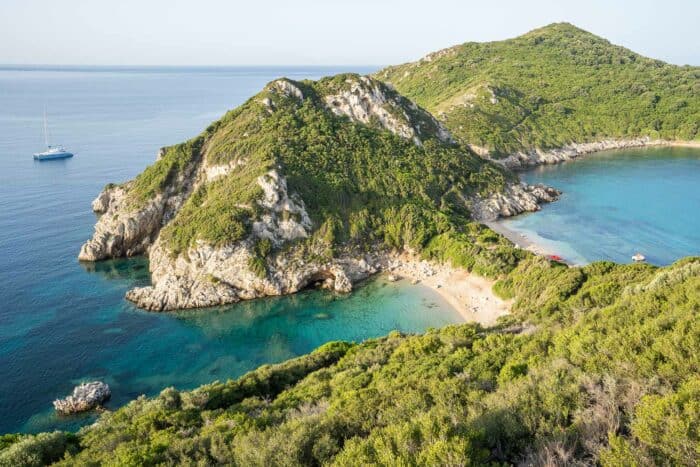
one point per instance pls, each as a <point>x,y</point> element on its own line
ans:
<point>62,322</point>
<point>617,203</point>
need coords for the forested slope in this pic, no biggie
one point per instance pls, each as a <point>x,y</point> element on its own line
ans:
<point>597,364</point>
<point>550,87</point>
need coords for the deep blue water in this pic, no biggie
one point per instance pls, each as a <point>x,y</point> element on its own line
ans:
<point>62,322</point>
<point>616,203</point>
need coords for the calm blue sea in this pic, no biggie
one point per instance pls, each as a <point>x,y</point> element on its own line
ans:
<point>617,203</point>
<point>62,322</point>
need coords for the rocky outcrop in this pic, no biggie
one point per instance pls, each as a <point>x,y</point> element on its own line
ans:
<point>128,227</point>
<point>122,230</point>
<point>366,100</point>
<point>285,216</point>
<point>288,88</point>
<point>85,397</point>
<point>514,199</point>
<point>526,159</point>
<point>209,276</point>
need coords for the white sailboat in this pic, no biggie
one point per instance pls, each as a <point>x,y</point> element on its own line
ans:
<point>52,152</point>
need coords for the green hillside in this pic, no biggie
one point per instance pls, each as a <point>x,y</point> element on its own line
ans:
<point>598,365</point>
<point>301,175</point>
<point>358,181</point>
<point>549,87</point>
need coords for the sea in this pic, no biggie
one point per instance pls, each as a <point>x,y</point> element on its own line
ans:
<point>619,203</point>
<point>63,322</point>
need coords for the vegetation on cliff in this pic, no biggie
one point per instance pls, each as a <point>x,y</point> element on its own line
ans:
<point>361,182</point>
<point>597,364</point>
<point>550,87</point>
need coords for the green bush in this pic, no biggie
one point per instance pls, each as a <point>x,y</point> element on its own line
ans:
<point>36,450</point>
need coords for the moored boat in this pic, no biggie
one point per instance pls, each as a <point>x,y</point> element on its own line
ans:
<point>638,257</point>
<point>52,152</point>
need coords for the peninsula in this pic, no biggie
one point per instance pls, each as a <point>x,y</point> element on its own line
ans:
<point>307,182</point>
<point>323,182</point>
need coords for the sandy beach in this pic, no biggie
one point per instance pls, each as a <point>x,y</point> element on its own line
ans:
<point>521,241</point>
<point>469,294</point>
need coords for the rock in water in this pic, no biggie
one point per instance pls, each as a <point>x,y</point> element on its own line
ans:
<point>86,396</point>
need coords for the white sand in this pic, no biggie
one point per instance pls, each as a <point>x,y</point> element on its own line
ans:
<point>527,243</point>
<point>469,294</point>
<point>518,240</point>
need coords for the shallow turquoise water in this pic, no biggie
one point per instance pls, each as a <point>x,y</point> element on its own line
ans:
<point>138,352</point>
<point>62,322</point>
<point>616,203</point>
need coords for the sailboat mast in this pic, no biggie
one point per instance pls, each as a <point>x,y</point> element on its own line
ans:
<point>46,130</point>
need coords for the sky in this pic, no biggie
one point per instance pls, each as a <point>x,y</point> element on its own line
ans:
<point>318,32</point>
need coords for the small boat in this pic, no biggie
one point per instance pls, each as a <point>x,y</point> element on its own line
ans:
<point>638,257</point>
<point>556,258</point>
<point>52,152</point>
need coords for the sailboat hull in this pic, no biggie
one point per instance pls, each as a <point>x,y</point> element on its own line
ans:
<point>45,156</point>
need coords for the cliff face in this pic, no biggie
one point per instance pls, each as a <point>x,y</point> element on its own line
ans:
<point>207,275</point>
<point>294,188</point>
<point>126,228</point>
<point>121,231</point>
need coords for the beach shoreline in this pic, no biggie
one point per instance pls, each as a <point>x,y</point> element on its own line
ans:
<point>518,239</point>
<point>525,242</point>
<point>470,295</point>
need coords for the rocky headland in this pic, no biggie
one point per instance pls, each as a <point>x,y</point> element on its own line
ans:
<point>514,199</point>
<point>222,221</point>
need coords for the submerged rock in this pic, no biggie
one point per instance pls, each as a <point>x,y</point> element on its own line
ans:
<point>85,396</point>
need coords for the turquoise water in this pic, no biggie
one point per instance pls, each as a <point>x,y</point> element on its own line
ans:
<point>617,203</point>
<point>62,322</point>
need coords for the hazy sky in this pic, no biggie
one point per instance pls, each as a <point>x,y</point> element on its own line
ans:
<point>318,32</point>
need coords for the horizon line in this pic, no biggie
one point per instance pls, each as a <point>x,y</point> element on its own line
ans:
<point>272,65</point>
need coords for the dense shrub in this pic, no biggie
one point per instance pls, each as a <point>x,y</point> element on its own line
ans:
<point>605,377</point>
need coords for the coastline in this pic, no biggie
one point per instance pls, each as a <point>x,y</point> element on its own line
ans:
<point>521,162</point>
<point>682,144</point>
<point>525,160</point>
<point>526,243</point>
<point>470,295</point>
<point>519,240</point>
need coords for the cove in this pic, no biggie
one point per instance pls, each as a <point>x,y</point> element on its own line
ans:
<point>138,352</point>
<point>616,203</point>
<point>62,322</point>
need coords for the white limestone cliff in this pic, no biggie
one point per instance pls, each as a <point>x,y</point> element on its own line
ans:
<point>535,157</point>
